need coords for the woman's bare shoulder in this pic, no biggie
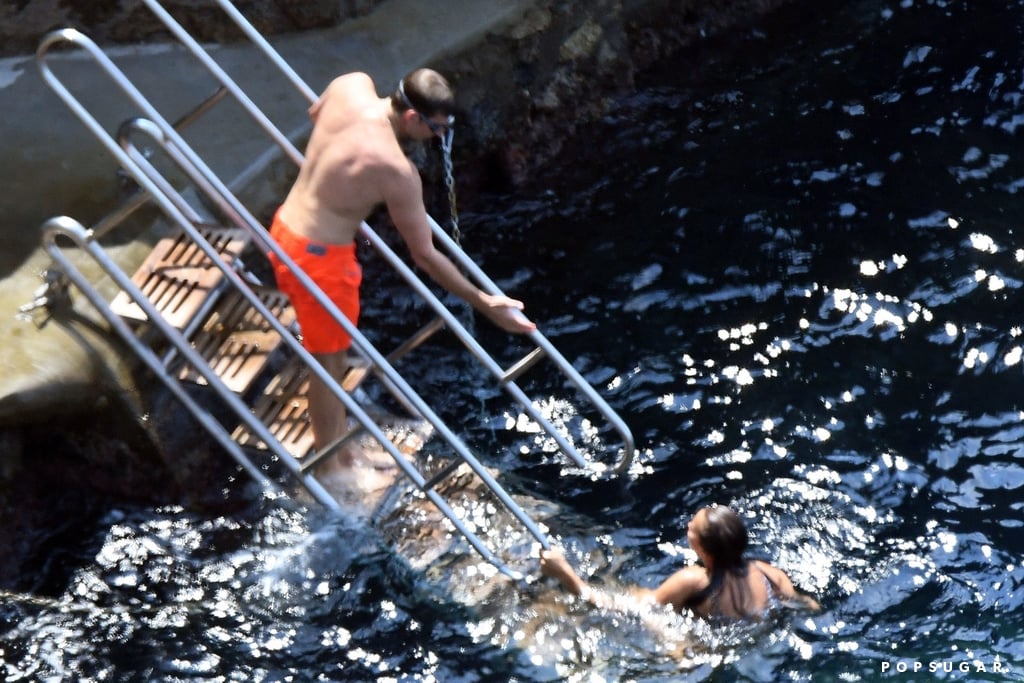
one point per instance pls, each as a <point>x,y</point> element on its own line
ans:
<point>682,584</point>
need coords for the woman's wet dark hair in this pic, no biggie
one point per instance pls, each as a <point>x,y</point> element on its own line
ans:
<point>724,537</point>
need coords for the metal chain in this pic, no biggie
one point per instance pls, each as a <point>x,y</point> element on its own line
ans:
<point>456,234</point>
<point>449,180</point>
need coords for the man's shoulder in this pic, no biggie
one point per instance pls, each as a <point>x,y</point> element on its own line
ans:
<point>353,80</point>
<point>399,173</point>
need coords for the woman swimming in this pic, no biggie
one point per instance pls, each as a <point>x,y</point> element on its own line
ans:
<point>727,585</point>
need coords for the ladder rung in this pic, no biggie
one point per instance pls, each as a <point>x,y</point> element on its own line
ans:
<point>523,364</point>
<point>178,277</point>
<point>310,461</point>
<point>420,336</point>
<point>442,474</point>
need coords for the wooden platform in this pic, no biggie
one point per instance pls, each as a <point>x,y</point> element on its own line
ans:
<point>178,277</point>
<point>283,407</point>
<point>237,341</point>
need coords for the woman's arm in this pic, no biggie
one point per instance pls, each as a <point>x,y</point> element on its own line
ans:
<point>780,582</point>
<point>554,565</point>
<point>675,590</point>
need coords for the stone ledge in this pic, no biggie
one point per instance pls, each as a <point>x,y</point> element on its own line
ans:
<point>131,22</point>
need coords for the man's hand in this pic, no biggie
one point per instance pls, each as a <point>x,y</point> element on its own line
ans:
<point>506,313</point>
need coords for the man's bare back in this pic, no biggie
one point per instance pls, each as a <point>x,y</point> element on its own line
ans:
<point>352,160</point>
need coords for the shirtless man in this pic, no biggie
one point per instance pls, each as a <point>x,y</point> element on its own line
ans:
<point>354,163</point>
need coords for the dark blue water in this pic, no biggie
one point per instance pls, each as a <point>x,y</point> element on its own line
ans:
<point>792,261</point>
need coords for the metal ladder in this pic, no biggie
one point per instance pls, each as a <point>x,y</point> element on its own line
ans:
<point>219,245</point>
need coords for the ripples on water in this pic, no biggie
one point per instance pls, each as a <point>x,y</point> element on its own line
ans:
<point>796,275</point>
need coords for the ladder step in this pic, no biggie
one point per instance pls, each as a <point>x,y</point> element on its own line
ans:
<point>357,372</point>
<point>284,408</point>
<point>237,341</point>
<point>523,364</point>
<point>177,277</point>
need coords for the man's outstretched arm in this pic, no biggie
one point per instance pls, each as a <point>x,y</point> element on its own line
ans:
<point>410,217</point>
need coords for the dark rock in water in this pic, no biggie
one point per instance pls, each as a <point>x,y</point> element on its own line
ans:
<point>59,475</point>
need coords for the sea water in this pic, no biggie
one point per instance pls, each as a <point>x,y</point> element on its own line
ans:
<point>791,260</point>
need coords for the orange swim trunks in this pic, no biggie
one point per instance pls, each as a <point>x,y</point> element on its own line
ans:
<point>335,269</point>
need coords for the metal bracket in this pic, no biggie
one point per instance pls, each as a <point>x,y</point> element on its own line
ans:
<point>51,296</point>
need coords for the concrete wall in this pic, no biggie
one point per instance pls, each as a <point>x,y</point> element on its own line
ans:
<point>130,21</point>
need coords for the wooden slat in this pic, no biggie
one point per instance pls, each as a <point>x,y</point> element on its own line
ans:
<point>284,408</point>
<point>177,277</point>
<point>237,341</point>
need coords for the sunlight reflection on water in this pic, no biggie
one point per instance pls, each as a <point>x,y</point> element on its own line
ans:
<point>816,324</point>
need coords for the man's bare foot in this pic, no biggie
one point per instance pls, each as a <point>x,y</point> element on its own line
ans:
<point>358,471</point>
<point>377,459</point>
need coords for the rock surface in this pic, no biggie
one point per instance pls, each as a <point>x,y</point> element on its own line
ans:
<point>131,21</point>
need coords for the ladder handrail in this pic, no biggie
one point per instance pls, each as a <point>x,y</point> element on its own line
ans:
<point>238,212</point>
<point>259,41</point>
<point>138,200</point>
<point>203,56</point>
<point>471,343</point>
<point>129,160</point>
<point>83,238</point>
<point>545,345</point>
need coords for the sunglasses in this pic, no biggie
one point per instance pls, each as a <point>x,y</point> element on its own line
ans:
<point>437,128</point>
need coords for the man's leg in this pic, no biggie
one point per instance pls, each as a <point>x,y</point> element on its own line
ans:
<point>328,418</point>
<point>327,414</point>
